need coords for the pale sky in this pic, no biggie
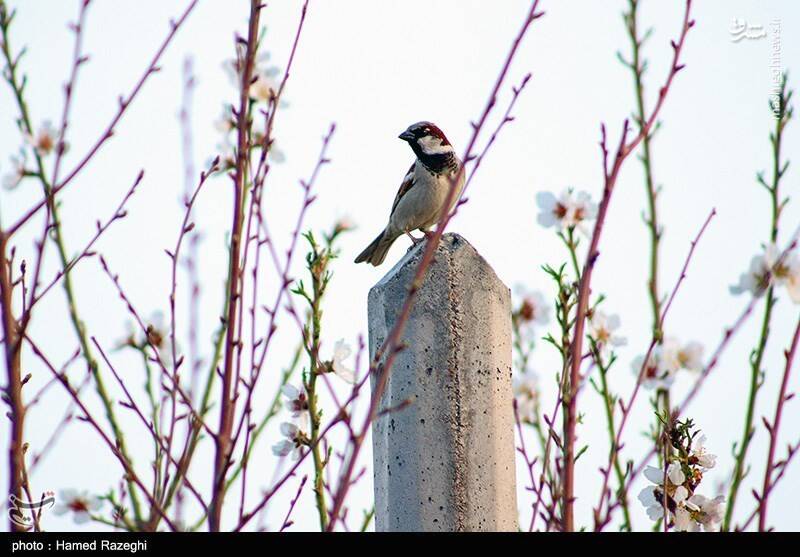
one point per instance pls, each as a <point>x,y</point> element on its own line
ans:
<point>374,68</point>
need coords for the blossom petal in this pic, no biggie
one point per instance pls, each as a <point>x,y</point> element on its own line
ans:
<point>289,430</point>
<point>654,474</point>
<point>290,391</point>
<point>648,496</point>
<point>675,474</point>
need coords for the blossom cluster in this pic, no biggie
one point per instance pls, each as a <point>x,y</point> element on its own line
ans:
<point>43,142</point>
<point>666,360</point>
<point>526,395</point>
<point>532,308</point>
<point>79,504</point>
<point>674,492</point>
<point>768,269</point>
<point>294,434</point>
<point>529,312</point>
<point>264,89</point>
<point>602,330</point>
<point>568,211</point>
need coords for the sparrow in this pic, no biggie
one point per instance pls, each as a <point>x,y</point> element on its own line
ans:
<point>420,201</point>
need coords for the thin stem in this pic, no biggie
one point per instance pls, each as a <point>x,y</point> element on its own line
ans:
<point>12,351</point>
<point>601,520</point>
<point>638,67</point>
<point>609,404</point>
<point>232,344</point>
<point>610,179</point>
<point>757,357</point>
<point>317,268</point>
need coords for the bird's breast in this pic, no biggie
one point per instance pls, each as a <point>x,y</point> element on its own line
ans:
<point>422,205</point>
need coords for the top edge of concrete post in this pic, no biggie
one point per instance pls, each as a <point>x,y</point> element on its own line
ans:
<point>445,462</point>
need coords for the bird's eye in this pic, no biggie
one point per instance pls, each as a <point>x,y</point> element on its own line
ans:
<point>427,130</point>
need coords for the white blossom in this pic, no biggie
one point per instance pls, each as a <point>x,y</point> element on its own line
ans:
<point>656,374</point>
<point>705,511</point>
<point>569,210</point>
<point>684,521</point>
<point>80,504</point>
<point>770,268</point>
<point>602,329</point>
<point>293,441</point>
<point>675,473</point>
<point>526,393</point>
<point>224,122</point>
<point>677,356</point>
<point>264,85</point>
<point>700,456</point>
<point>652,496</point>
<point>699,511</point>
<point>18,171</point>
<point>648,498</point>
<point>792,279</point>
<point>690,356</point>
<point>341,352</point>
<point>689,512</point>
<point>666,360</point>
<point>44,141</point>
<point>755,280</point>
<point>296,401</point>
<point>583,208</point>
<point>533,308</point>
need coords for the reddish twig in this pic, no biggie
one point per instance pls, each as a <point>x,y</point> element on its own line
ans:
<point>727,336</point>
<point>232,344</point>
<point>87,417</point>
<point>132,405</point>
<point>780,466</point>
<point>186,227</point>
<point>626,407</point>
<point>124,103</point>
<point>60,147</point>
<point>308,199</point>
<point>12,351</point>
<point>773,428</point>
<point>610,179</point>
<point>287,520</point>
<point>157,358</point>
<point>392,345</point>
<point>119,214</point>
<point>530,463</point>
<point>48,445</point>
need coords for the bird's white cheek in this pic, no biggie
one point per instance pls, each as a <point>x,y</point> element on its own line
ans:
<point>433,146</point>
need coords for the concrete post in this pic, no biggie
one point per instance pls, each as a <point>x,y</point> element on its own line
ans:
<point>446,461</point>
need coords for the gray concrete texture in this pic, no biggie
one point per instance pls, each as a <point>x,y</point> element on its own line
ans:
<point>445,462</point>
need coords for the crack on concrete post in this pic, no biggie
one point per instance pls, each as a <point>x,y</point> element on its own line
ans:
<point>459,487</point>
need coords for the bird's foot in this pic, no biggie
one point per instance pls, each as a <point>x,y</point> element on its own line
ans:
<point>414,240</point>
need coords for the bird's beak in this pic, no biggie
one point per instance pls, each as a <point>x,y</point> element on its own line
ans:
<point>406,136</point>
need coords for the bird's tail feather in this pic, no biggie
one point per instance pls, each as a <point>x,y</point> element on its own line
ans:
<point>376,252</point>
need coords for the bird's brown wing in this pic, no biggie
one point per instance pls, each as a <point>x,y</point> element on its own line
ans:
<point>408,183</point>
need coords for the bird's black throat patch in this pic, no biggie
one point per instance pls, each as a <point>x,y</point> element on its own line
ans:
<point>438,163</point>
